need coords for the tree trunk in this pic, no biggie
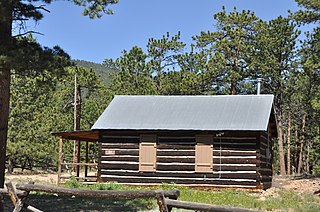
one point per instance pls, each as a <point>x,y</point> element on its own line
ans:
<point>77,117</point>
<point>281,152</point>
<point>5,41</point>
<point>302,143</point>
<point>234,87</point>
<point>296,155</point>
<point>289,145</point>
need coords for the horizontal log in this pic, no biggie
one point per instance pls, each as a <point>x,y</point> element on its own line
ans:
<point>80,164</point>
<point>175,160</point>
<point>175,146</point>
<point>134,152</point>
<point>234,160</point>
<point>175,167</point>
<point>233,153</point>
<point>177,140</point>
<point>235,147</point>
<point>120,140</point>
<point>174,152</point>
<point>234,167</point>
<point>80,178</point>
<point>4,191</point>
<point>177,181</point>
<point>202,206</point>
<point>267,185</point>
<point>120,158</point>
<point>108,146</point>
<point>119,166</point>
<point>233,175</point>
<point>110,194</point>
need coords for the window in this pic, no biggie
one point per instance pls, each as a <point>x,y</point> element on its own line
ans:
<point>204,154</point>
<point>147,153</point>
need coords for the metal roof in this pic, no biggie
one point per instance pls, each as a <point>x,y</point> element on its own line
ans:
<point>213,113</point>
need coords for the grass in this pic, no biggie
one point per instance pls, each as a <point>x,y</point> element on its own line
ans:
<point>282,200</point>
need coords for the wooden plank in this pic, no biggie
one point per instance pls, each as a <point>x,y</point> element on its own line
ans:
<point>203,207</point>
<point>111,194</point>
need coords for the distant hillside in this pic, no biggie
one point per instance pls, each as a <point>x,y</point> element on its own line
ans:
<point>102,70</point>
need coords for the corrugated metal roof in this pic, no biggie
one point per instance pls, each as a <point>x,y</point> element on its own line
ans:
<point>236,112</point>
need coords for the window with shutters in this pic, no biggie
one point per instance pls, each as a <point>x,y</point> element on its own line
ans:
<point>148,153</point>
<point>204,154</point>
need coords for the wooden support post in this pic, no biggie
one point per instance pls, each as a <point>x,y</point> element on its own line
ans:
<point>60,158</point>
<point>87,160</point>
<point>78,158</point>
<point>161,201</point>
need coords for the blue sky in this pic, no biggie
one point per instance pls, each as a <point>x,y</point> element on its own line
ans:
<point>135,21</point>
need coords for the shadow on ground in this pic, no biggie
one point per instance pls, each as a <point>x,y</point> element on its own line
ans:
<point>54,203</point>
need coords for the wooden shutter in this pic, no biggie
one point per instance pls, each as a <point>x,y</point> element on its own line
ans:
<point>204,154</point>
<point>147,153</point>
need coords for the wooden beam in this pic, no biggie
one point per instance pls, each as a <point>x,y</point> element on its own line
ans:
<point>60,159</point>
<point>80,164</point>
<point>203,207</point>
<point>96,193</point>
<point>87,160</point>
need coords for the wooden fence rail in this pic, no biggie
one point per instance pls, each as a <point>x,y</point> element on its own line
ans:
<point>202,206</point>
<point>110,194</point>
<point>166,199</point>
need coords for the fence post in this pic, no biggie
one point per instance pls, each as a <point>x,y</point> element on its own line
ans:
<point>161,201</point>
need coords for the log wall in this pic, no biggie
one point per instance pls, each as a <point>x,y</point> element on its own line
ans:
<point>235,160</point>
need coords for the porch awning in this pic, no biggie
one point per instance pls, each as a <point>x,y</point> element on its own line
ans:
<point>89,135</point>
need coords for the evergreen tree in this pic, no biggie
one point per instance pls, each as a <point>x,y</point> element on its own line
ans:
<point>229,48</point>
<point>311,14</point>
<point>134,75</point>
<point>275,60</point>
<point>15,53</point>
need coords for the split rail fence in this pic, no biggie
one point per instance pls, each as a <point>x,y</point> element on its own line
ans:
<point>166,200</point>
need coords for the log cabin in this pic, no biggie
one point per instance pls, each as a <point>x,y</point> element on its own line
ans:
<point>198,141</point>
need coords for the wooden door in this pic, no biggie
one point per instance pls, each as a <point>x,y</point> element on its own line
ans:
<point>147,153</point>
<point>204,154</point>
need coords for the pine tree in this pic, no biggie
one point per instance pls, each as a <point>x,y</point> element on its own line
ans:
<point>229,48</point>
<point>13,52</point>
